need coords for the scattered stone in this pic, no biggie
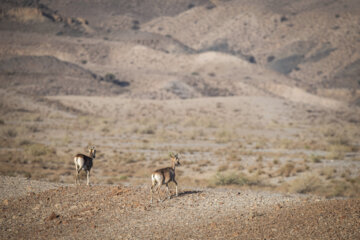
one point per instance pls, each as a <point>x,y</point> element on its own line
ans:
<point>73,207</point>
<point>37,207</point>
<point>278,206</point>
<point>52,216</point>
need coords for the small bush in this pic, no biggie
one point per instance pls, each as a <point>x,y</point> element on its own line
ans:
<point>191,5</point>
<point>24,142</point>
<point>210,6</point>
<point>224,135</point>
<point>328,172</point>
<point>286,170</point>
<point>232,179</point>
<point>315,158</point>
<point>223,168</point>
<point>109,77</point>
<point>10,133</point>
<point>136,25</point>
<point>305,184</point>
<point>37,150</point>
<point>233,156</point>
<point>270,58</point>
<point>33,128</point>
<point>149,130</point>
<point>283,19</point>
<point>341,188</point>
<point>212,74</point>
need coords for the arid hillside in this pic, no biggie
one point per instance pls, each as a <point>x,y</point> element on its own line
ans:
<point>225,47</point>
<point>261,99</point>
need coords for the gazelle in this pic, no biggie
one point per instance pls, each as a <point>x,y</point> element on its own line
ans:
<point>84,162</point>
<point>164,176</point>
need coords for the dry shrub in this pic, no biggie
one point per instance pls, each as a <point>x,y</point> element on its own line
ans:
<point>205,163</point>
<point>223,168</point>
<point>328,172</point>
<point>259,158</point>
<point>33,128</point>
<point>286,144</point>
<point>341,188</point>
<point>230,179</point>
<point>305,184</point>
<point>252,168</point>
<point>26,14</point>
<point>338,151</point>
<point>315,158</point>
<point>38,149</point>
<point>150,129</point>
<point>233,156</point>
<point>24,142</point>
<point>238,179</point>
<point>238,166</point>
<point>286,170</point>
<point>224,136</point>
<point>302,168</point>
<point>116,180</point>
<point>10,133</point>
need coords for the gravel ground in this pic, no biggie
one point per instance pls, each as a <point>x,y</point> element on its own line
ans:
<point>12,187</point>
<point>116,212</point>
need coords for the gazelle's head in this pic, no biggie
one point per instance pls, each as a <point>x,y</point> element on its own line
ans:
<point>92,151</point>
<point>175,159</point>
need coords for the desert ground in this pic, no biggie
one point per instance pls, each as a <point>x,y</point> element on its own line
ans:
<point>260,99</point>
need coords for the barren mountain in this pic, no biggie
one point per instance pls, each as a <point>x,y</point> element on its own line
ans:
<point>286,39</point>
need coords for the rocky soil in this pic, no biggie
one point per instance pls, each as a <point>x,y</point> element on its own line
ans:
<point>38,210</point>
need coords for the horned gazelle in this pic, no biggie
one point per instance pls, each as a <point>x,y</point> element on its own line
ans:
<point>164,176</point>
<point>84,162</point>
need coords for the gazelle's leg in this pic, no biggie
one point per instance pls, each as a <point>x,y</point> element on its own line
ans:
<point>168,191</point>
<point>152,192</point>
<point>76,174</point>
<point>153,187</point>
<point>176,188</point>
<point>88,177</point>
<point>158,190</point>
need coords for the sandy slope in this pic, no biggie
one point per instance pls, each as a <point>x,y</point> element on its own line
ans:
<point>118,212</point>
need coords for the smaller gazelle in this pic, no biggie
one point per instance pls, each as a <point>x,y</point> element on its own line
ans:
<point>164,176</point>
<point>84,162</point>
